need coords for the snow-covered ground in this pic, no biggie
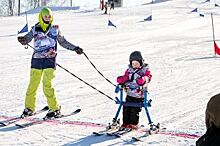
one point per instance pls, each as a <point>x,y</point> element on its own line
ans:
<point>176,44</point>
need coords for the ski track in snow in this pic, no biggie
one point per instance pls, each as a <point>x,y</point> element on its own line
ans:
<point>177,46</point>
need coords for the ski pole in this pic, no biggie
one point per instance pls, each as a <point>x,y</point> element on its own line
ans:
<point>98,70</point>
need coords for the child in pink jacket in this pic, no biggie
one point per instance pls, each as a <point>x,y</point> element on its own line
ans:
<point>136,77</point>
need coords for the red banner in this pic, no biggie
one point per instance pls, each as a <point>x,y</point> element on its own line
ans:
<point>217,49</point>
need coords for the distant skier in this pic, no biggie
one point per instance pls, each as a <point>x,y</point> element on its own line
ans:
<point>106,7</point>
<point>136,76</point>
<point>112,6</point>
<point>212,120</point>
<point>43,63</point>
<point>102,5</point>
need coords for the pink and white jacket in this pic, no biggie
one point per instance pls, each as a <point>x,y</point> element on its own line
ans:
<point>134,79</point>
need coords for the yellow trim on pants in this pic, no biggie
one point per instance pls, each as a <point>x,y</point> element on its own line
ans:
<point>35,78</point>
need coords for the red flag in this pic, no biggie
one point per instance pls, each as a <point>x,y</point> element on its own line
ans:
<point>217,49</point>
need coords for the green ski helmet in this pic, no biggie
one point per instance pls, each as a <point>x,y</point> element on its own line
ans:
<point>45,12</point>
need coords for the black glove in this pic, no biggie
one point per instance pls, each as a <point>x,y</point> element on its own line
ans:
<point>22,40</point>
<point>79,50</point>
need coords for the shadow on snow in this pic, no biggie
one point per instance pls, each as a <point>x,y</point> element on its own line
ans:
<point>89,140</point>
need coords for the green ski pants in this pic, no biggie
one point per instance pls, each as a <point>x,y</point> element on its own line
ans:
<point>35,78</point>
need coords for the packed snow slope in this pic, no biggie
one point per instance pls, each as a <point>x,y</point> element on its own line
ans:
<point>177,45</point>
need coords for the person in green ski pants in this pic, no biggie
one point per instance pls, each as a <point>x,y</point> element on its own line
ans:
<point>43,62</point>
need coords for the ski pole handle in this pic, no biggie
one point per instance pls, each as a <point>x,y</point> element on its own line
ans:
<point>26,47</point>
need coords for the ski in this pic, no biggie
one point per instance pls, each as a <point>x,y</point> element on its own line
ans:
<point>99,133</point>
<point>147,133</point>
<point>110,128</point>
<point>123,131</point>
<point>120,132</point>
<point>16,119</point>
<point>139,138</point>
<point>63,115</point>
<point>28,124</point>
<point>10,121</point>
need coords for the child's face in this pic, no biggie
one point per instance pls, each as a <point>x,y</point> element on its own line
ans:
<point>47,18</point>
<point>135,64</point>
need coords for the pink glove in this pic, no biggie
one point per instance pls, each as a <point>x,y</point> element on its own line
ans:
<point>141,81</point>
<point>121,79</point>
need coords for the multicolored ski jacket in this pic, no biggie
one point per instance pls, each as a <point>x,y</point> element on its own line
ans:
<point>45,46</point>
<point>133,89</point>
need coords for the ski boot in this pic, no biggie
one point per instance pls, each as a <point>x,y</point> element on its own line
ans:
<point>132,126</point>
<point>52,114</point>
<point>27,112</point>
<point>128,126</point>
<point>154,128</point>
<point>115,124</point>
